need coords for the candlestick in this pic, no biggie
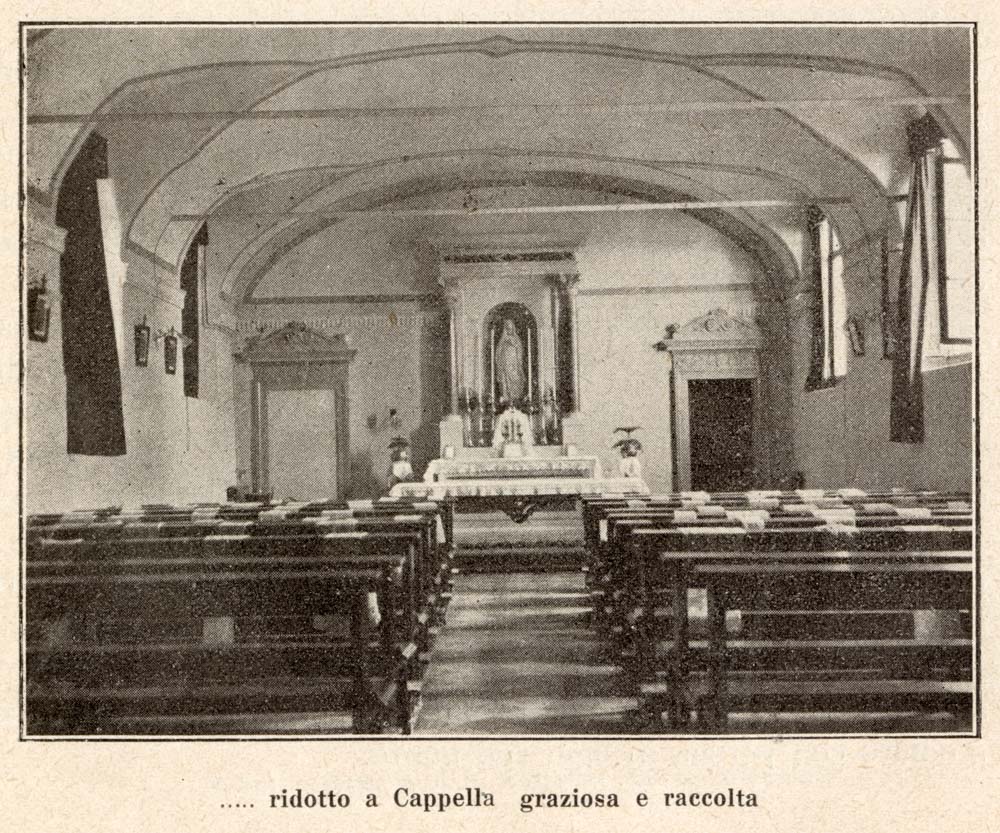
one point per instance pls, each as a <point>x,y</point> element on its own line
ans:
<point>530,389</point>
<point>493,367</point>
<point>475,367</point>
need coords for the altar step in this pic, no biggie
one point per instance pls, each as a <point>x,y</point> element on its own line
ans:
<point>501,558</point>
<point>548,541</point>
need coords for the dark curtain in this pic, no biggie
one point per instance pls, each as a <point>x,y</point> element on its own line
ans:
<point>907,409</point>
<point>95,424</point>
<point>817,351</point>
<point>189,316</point>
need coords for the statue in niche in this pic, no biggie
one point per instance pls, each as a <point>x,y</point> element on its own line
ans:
<point>510,364</point>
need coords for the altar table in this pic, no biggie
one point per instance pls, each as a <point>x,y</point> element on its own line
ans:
<point>516,487</point>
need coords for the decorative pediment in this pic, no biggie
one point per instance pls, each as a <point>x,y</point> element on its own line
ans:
<point>715,330</point>
<point>295,342</point>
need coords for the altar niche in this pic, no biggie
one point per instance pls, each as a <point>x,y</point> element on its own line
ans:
<point>510,357</point>
<point>512,336</point>
<point>509,364</point>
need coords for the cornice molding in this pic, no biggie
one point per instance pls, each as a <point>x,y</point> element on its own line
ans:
<point>296,342</point>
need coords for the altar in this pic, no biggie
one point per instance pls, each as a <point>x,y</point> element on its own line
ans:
<point>516,487</point>
<point>509,444</point>
<point>486,493</point>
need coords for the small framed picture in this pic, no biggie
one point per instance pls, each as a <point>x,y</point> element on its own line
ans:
<point>39,312</point>
<point>170,353</point>
<point>142,344</point>
<point>857,335</point>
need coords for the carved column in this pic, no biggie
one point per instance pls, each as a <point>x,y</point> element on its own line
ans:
<point>568,283</point>
<point>546,346</point>
<point>451,299</point>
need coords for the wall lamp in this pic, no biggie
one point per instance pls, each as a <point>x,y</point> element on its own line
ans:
<point>170,339</point>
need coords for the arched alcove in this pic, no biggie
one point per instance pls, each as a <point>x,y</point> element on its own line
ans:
<point>524,330</point>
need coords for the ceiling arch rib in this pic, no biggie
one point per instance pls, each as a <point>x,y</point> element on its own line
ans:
<point>260,204</point>
<point>143,48</point>
<point>399,185</point>
<point>769,124</point>
<point>195,187</point>
<point>151,100</point>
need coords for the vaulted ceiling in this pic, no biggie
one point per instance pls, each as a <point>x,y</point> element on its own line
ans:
<point>273,131</point>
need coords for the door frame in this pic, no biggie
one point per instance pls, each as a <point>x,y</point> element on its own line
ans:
<point>716,345</point>
<point>296,357</point>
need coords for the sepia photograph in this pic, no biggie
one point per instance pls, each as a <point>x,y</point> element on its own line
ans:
<point>424,381</point>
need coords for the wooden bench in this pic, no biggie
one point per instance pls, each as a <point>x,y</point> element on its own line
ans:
<point>802,572</point>
<point>432,568</point>
<point>80,682</point>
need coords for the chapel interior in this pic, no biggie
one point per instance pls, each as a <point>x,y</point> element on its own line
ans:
<point>498,380</point>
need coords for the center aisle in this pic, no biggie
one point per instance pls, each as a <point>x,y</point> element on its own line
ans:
<point>517,657</point>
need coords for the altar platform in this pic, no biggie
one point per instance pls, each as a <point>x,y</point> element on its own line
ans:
<point>520,513</point>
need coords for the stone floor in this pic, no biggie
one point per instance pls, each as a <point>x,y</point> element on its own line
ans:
<point>517,657</point>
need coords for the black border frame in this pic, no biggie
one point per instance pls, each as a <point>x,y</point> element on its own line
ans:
<point>973,28</point>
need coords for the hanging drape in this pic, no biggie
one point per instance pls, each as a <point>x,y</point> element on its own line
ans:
<point>817,345</point>
<point>918,268</point>
<point>189,315</point>
<point>95,423</point>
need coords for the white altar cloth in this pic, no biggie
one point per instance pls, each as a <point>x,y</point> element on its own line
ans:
<point>516,487</point>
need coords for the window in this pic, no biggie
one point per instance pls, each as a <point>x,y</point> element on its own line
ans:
<point>955,301</point>
<point>829,304</point>
<point>949,238</point>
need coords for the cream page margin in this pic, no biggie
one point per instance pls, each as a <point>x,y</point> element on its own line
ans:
<point>913,785</point>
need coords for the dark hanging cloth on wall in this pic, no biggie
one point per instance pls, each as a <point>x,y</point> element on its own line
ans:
<point>189,316</point>
<point>907,409</point>
<point>817,344</point>
<point>95,424</point>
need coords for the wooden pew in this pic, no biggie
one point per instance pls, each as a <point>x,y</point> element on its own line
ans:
<point>208,520</point>
<point>794,570</point>
<point>269,519</point>
<point>910,675</point>
<point>83,684</point>
<point>843,506</point>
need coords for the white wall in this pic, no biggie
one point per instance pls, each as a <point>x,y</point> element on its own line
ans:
<point>638,274</point>
<point>178,449</point>
<point>842,432</point>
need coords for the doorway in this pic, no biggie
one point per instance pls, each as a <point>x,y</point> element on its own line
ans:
<point>298,413</point>
<point>721,434</point>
